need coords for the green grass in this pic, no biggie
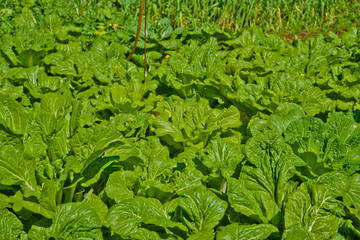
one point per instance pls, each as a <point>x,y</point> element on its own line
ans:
<point>273,16</point>
<point>276,15</point>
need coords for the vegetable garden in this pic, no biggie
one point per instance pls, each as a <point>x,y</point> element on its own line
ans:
<point>245,127</point>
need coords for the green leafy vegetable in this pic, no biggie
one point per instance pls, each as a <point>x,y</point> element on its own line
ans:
<point>232,134</point>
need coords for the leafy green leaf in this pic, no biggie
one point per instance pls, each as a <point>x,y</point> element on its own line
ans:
<point>343,186</point>
<point>52,112</point>
<point>16,168</point>
<point>202,235</point>
<point>93,171</point>
<point>203,208</point>
<point>224,156</point>
<point>296,233</point>
<point>71,220</point>
<point>10,226</point>
<point>120,184</point>
<point>236,231</point>
<point>13,115</point>
<point>258,205</point>
<point>44,208</point>
<point>92,142</point>
<point>96,204</point>
<point>312,207</point>
<point>126,217</point>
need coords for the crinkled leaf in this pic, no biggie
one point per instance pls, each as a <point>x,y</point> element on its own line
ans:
<point>224,156</point>
<point>16,168</point>
<point>236,231</point>
<point>92,142</point>
<point>258,205</point>
<point>96,204</point>
<point>126,217</point>
<point>52,112</point>
<point>132,124</point>
<point>296,233</point>
<point>203,209</point>
<point>44,208</point>
<point>120,185</point>
<point>283,116</point>
<point>313,208</point>
<point>203,235</point>
<point>13,115</point>
<point>10,226</point>
<point>172,44</point>
<point>71,220</point>
<point>343,186</point>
